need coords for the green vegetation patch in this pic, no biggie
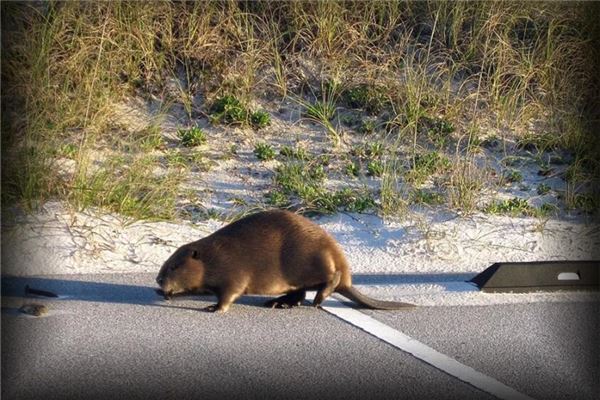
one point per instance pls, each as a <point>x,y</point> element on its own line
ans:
<point>520,207</point>
<point>264,151</point>
<point>513,176</point>
<point>260,119</point>
<point>375,168</point>
<point>422,196</point>
<point>371,98</point>
<point>151,138</point>
<point>229,109</point>
<point>304,181</point>
<point>438,131</point>
<point>355,200</point>
<point>368,151</point>
<point>515,206</point>
<point>587,202</point>
<point>352,169</point>
<point>294,153</point>
<point>368,126</point>
<point>546,210</point>
<point>543,189</point>
<point>427,164</point>
<point>192,137</point>
<point>129,186</point>
<point>431,162</point>
<point>278,199</point>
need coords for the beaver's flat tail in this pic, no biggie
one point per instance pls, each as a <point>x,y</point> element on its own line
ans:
<point>371,303</point>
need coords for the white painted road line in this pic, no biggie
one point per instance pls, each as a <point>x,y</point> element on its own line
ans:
<point>419,350</point>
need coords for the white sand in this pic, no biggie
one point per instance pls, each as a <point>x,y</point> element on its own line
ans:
<point>428,257</point>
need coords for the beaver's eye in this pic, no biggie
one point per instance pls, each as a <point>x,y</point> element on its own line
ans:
<point>194,254</point>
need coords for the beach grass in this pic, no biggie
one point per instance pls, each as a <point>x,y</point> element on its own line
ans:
<point>432,80</point>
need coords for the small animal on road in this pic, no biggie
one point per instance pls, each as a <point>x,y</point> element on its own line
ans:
<point>272,252</point>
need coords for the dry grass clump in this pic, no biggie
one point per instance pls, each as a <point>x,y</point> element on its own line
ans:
<point>508,64</point>
<point>465,185</point>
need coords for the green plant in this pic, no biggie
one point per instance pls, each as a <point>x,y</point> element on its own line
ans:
<point>352,169</point>
<point>421,196</point>
<point>304,180</point>
<point>545,210</point>
<point>543,189</point>
<point>354,201</point>
<point>438,131</point>
<point>298,153</point>
<point>512,161</point>
<point>474,144</point>
<point>513,176</point>
<point>260,119</point>
<point>323,159</point>
<point>278,199</point>
<point>538,142</point>
<point>317,172</point>
<point>230,110</point>
<point>368,126</point>
<point>514,206</point>
<point>230,153</point>
<point>545,169</point>
<point>264,151</point>
<point>372,99</point>
<point>367,151</point>
<point>322,111</point>
<point>186,159</point>
<point>374,168</point>
<point>359,151</point>
<point>68,150</point>
<point>394,197</point>
<point>431,162</point>
<point>586,202</point>
<point>176,158</point>
<point>426,165</point>
<point>292,177</point>
<point>575,173</point>
<point>151,138</point>
<point>191,137</point>
<point>350,119</point>
<point>200,162</point>
<point>374,150</point>
<point>238,201</point>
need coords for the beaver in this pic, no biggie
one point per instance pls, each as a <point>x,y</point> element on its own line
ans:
<point>267,253</point>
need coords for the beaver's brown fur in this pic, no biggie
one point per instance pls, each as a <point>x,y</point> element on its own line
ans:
<point>268,253</point>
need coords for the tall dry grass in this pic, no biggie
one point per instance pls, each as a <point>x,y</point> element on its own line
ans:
<point>64,64</point>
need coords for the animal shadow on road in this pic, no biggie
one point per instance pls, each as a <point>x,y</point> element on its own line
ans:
<point>102,292</point>
<point>145,293</point>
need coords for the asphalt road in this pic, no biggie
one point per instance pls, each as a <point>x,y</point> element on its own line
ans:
<point>111,336</point>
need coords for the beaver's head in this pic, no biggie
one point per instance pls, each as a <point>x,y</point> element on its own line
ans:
<point>182,272</point>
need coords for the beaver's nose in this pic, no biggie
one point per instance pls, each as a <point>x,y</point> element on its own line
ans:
<point>159,280</point>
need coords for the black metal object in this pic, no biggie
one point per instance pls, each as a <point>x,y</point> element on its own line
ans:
<point>539,276</point>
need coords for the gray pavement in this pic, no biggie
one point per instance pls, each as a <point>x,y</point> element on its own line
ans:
<point>111,336</point>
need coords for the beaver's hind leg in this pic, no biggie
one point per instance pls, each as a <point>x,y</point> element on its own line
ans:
<point>327,289</point>
<point>289,300</point>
